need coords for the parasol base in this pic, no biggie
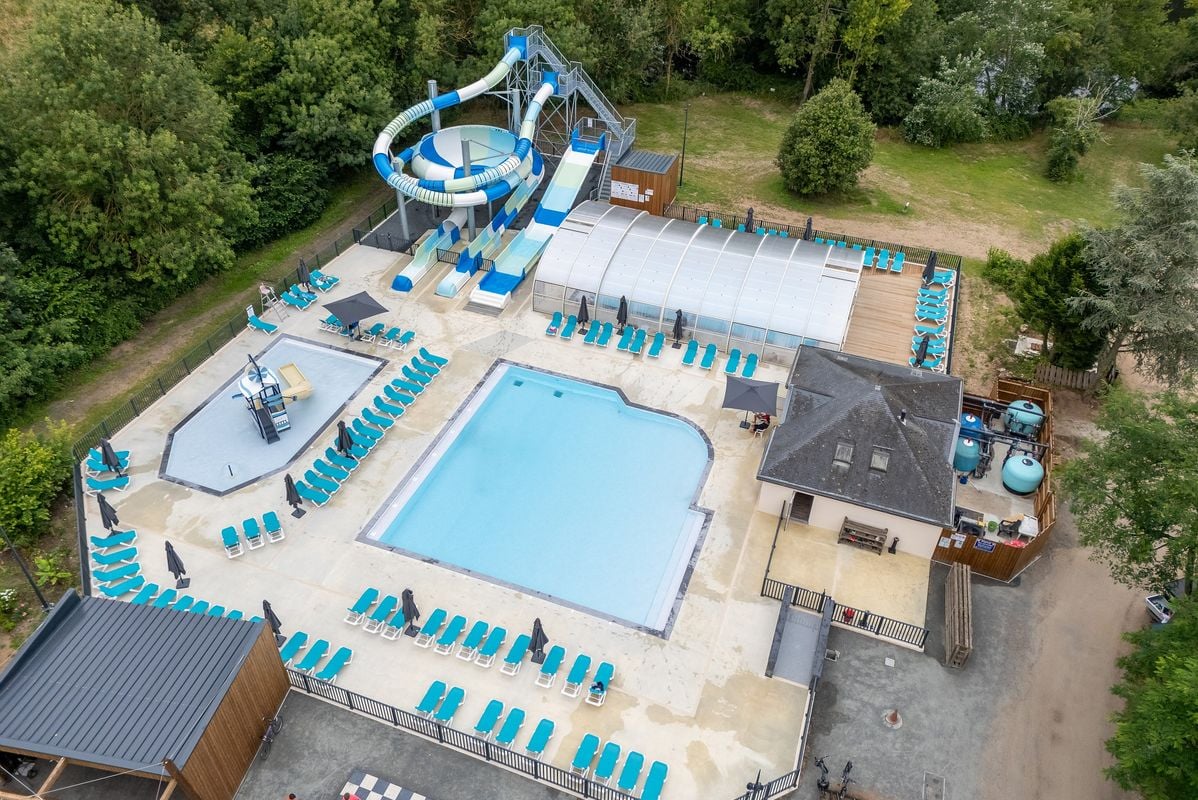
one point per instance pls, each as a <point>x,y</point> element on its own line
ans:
<point>744,423</point>
<point>677,345</point>
<point>183,583</point>
<point>411,630</point>
<point>538,657</point>
<point>298,512</point>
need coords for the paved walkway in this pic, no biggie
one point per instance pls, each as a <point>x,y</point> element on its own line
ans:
<point>322,744</point>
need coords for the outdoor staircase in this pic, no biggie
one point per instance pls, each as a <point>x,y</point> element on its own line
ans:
<point>266,425</point>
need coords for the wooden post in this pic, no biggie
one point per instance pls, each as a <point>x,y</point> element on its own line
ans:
<point>48,783</point>
<point>177,776</point>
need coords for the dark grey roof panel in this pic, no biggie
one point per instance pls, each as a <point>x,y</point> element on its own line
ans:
<point>120,685</point>
<point>647,162</point>
<point>834,398</point>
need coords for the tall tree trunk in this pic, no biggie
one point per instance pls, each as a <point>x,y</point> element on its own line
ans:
<point>816,51</point>
<point>1106,360</point>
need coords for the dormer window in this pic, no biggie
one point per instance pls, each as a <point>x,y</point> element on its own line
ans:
<point>879,460</point>
<point>843,457</point>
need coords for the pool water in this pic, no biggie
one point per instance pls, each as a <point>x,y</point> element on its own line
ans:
<point>559,488</point>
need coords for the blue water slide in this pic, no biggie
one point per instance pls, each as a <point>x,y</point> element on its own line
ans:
<point>466,190</point>
<point>442,238</point>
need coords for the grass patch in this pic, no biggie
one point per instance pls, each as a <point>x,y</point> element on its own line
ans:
<point>185,322</point>
<point>732,140</point>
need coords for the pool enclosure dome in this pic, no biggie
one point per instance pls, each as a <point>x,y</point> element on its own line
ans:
<point>761,293</point>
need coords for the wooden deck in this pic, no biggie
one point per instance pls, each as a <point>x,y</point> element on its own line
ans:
<point>883,318</point>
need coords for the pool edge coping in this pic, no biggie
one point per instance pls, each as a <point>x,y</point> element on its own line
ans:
<point>692,507</point>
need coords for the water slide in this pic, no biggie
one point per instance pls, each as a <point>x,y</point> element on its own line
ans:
<point>496,287</point>
<point>425,257</point>
<point>490,238</point>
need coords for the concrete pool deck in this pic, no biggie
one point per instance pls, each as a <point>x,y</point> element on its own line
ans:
<point>697,701</point>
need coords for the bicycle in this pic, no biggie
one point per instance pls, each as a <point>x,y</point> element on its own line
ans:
<point>845,780</point>
<point>274,726</point>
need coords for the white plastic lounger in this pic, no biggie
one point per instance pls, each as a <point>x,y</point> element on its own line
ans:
<point>357,612</point>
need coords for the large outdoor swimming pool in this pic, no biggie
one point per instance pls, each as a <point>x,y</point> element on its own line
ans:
<point>558,488</point>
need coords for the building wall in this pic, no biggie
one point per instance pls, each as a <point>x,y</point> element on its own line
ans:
<point>230,741</point>
<point>916,538</point>
<point>654,190</point>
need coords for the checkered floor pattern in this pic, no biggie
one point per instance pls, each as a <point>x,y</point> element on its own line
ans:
<point>368,787</point>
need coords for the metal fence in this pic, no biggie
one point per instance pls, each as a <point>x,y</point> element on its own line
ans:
<point>450,737</point>
<point>451,257</point>
<point>858,619</point>
<point>141,398</point>
<point>364,232</point>
<point>917,255</point>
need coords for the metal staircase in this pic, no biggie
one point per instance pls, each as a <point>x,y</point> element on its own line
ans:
<point>560,116</point>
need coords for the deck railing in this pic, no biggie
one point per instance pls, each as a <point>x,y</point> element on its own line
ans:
<point>458,740</point>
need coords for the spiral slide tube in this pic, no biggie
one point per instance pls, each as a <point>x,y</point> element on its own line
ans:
<point>468,190</point>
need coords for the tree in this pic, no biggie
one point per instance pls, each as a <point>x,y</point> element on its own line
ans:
<point>828,144</point>
<point>802,33</point>
<point>1074,131</point>
<point>1041,296</point>
<point>865,22</point>
<point>948,109</point>
<point>1134,491</point>
<point>34,469</point>
<point>888,81</point>
<point>1156,739</point>
<point>114,152</point>
<point>1010,36</point>
<point>1146,266</point>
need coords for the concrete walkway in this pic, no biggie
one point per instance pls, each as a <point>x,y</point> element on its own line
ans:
<point>321,744</point>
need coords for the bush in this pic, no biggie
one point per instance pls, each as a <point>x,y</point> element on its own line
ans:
<point>289,193</point>
<point>33,471</point>
<point>1003,270</point>
<point>12,610</point>
<point>948,109</point>
<point>828,144</point>
<point>51,569</point>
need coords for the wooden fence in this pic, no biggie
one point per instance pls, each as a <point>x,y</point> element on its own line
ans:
<point>1068,378</point>
<point>958,616</point>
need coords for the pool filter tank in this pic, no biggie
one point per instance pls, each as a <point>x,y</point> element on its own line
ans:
<point>967,455</point>
<point>1023,418</point>
<point>971,422</point>
<point>1022,474</point>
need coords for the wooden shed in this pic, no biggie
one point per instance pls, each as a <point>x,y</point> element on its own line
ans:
<point>644,181</point>
<point>184,698</point>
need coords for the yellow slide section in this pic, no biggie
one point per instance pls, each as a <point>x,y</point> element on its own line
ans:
<point>297,385</point>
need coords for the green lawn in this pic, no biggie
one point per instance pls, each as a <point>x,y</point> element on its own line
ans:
<point>732,140</point>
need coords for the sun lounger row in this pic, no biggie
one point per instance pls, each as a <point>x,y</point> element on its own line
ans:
<point>441,703</point>
<point>605,769</point>
<point>253,533</point>
<point>692,350</point>
<point>883,260</point>
<point>113,539</point>
<point>314,655</point>
<point>323,282</point>
<point>395,338</point>
<point>385,619</point>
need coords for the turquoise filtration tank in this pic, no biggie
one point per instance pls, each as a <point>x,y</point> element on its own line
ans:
<point>1022,474</point>
<point>971,422</point>
<point>967,455</point>
<point>1023,418</point>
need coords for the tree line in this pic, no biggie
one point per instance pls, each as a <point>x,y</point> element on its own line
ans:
<point>143,144</point>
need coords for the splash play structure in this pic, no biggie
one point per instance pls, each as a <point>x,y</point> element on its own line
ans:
<point>468,166</point>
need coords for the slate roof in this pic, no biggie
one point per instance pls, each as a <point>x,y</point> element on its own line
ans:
<point>647,162</point>
<point>838,398</point>
<point>120,685</point>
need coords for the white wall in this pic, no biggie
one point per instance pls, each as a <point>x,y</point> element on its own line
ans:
<point>772,496</point>
<point>916,538</point>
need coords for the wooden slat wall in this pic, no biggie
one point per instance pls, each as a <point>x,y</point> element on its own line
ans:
<point>228,745</point>
<point>664,186</point>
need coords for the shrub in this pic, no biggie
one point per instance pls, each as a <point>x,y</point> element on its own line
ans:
<point>828,144</point>
<point>51,569</point>
<point>1003,270</point>
<point>12,610</point>
<point>289,193</point>
<point>948,108</point>
<point>33,471</point>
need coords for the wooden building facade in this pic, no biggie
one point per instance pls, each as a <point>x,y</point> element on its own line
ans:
<point>645,181</point>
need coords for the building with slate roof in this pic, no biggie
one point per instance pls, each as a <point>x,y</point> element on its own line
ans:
<point>163,694</point>
<point>865,441</point>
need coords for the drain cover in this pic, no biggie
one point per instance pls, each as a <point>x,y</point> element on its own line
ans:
<point>933,787</point>
<point>831,655</point>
